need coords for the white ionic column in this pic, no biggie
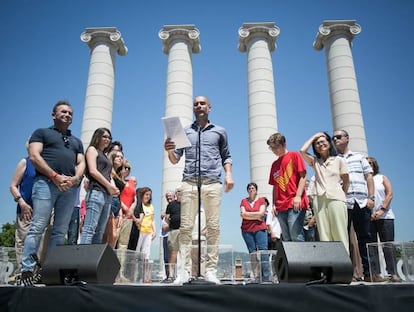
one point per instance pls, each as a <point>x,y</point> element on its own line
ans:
<point>336,37</point>
<point>258,40</point>
<point>104,43</point>
<point>179,42</point>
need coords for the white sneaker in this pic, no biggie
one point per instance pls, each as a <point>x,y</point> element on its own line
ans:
<point>211,277</point>
<point>182,278</point>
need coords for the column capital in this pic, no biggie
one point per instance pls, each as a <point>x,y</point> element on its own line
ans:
<point>328,29</point>
<point>95,35</point>
<point>267,31</point>
<point>187,33</point>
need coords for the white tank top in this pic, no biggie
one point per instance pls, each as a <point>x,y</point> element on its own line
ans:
<point>380,196</point>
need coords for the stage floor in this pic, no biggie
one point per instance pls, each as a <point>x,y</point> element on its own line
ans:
<point>202,298</point>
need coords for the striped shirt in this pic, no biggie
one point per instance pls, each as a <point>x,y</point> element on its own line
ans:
<point>358,167</point>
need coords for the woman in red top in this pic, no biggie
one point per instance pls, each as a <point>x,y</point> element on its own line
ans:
<point>128,203</point>
<point>254,228</point>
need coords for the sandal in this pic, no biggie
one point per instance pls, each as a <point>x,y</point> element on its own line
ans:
<point>168,280</point>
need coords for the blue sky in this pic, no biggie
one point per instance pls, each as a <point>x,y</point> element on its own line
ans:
<point>43,60</point>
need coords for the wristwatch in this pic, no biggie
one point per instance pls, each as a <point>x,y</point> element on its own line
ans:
<point>16,199</point>
<point>372,198</point>
<point>383,209</point>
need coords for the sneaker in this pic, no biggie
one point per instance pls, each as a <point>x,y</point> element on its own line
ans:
<point>266,281</point>
<point>29,278</point>
<point>395,279</point>
<point>123,280</point>
<point>211,277</point>
<point>182,278</point>
<point>375,278</point>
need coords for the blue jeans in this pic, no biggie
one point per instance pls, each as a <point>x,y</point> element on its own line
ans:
<point>166,256</point>
<point>291,223</point>
<point>46,196</point>
<point>98,205</point>
<point>309,234</point>
<point>258,241</point>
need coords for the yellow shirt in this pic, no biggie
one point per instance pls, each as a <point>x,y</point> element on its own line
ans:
<point>146,224</point>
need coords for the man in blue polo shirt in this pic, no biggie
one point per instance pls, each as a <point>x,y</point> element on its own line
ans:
<point>59,161</point>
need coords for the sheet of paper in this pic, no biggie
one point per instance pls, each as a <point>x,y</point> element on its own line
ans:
<point>175,131</point>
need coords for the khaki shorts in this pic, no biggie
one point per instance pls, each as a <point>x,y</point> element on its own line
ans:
<point>173,240</point>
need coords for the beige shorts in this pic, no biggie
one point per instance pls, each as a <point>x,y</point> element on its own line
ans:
<point>173,240</point>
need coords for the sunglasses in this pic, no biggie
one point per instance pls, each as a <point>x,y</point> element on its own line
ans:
<point>107,137</point>
<point>65,140</point>
<point>338,136</point>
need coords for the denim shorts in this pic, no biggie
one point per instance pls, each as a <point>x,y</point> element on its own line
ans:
<point>115,206</point>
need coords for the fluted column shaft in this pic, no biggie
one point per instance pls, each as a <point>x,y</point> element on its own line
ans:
<point>336,37</point>
<point>179,42</point>
<point>104,43</point>
<point>258,40</point>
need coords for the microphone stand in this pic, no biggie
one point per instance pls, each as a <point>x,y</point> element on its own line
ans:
<point>199,280</point>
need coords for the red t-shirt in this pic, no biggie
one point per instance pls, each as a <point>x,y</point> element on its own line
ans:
<point>285,176</point>
<point>128,194</point>
<point>253,225</point>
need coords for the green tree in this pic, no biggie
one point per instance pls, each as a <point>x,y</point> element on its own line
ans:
<point>7,234</point>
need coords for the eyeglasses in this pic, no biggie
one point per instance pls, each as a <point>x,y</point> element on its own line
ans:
<point>107,137</point>
<point>338,136</point>
<point>65,140</point>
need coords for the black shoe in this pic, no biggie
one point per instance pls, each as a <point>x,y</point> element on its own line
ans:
<point>168,280</point>
<point>28,278</point>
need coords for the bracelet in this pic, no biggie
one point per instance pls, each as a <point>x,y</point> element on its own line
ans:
<point>53,176</point>
<point>16,199</point>
<point>383,209</point>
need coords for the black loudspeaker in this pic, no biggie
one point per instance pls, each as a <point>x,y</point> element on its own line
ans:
<point>72,264</point>
<point>313,262</point>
